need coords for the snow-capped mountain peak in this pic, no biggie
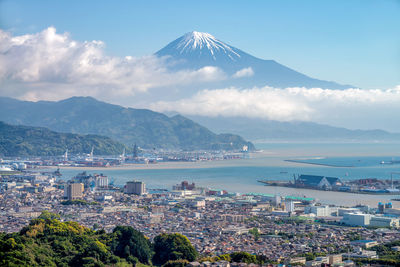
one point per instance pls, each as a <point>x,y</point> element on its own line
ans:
<point>199,40</point>
<point>200,44</point>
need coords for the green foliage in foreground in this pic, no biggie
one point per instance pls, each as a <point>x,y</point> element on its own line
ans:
<point>131,244</point>
<point>171,247</point>
<point>47,241</point>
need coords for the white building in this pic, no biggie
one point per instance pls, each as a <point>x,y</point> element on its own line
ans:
<point>101,181</point>
<point>343,211</point>
<point>289,205</point>
<point>384,222</point>
<point>358,219</point>
<point>367,254</point>
<point>321,211</point>
<point>198,203</point>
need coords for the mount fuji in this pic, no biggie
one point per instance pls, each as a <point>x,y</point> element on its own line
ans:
<point>196,50</point>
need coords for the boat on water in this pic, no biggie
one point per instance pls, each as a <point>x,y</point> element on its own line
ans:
<point>393,161</point>
<point>5,168</point>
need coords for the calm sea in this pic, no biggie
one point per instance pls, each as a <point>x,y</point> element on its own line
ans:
<point>242,175</point>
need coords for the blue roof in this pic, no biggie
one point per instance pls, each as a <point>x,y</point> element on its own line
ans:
<point>314,180</point>
<point>363,241</point>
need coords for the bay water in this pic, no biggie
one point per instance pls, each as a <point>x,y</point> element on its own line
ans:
<point>347,161</point>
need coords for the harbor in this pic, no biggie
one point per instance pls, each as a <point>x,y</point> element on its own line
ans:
<point>324,183</point>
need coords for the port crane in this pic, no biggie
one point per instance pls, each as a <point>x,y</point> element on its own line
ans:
<point>391,177</point>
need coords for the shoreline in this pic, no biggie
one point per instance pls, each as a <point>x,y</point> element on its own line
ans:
<point>256,159</point>
<point>320,164</point>
<point>265,183</point>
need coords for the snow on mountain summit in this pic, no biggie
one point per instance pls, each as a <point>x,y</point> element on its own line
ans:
<point>199,40</point>
<point>200,45</point>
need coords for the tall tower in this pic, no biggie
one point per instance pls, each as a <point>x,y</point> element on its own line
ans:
<point>135,151</point>
<point>66,155</point>
<point>122,156</point>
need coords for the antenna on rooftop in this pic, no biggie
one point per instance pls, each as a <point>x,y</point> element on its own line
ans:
<point>391,178</point>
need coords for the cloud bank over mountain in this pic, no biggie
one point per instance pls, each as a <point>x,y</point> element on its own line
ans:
<point>52,66</point>
<point>366,108</point>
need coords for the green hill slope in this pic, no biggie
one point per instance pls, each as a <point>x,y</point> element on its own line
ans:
<point>37,141</point>
<point>146,128</point>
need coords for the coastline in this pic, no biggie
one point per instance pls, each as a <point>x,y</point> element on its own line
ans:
<point>256,159</point>
<point>241,175</point>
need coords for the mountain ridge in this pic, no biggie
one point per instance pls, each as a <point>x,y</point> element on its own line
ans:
<point>146,128</point>
<point>259,130</point>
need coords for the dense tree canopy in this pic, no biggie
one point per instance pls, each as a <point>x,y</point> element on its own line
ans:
<point>37,141</point>
<point>130,243</point>
<point>243,257</point>
<point>47,241</point>
<point>169,247</point>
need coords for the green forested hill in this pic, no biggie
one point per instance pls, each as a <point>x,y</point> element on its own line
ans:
<point>47,241</point>
<point>38,141</point>
<point>146,128</point>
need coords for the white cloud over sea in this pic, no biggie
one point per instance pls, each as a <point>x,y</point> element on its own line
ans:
<point>51,66</point>
<point>351,107</point>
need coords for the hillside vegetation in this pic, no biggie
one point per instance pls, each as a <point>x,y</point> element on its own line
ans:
<point>146,128</point>
<point>37,141</point>
<point>47,241</point>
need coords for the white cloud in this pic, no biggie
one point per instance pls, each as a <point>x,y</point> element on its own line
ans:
<point>52,66</point>
<point>48,65</point>
<point>350,107</point>
<point>246,72</point>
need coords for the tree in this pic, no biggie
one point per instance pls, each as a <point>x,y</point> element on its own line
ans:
<point>243,257</point>
<point>255,233</point>
<point>47,215</point>
<point>129,243</point>
<point>173,247</point>
<point>225,257</point>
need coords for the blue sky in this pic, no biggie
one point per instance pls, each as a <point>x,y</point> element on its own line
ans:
<point>349,41</point>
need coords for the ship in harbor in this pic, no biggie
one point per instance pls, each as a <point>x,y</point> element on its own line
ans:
<point>393,161</point>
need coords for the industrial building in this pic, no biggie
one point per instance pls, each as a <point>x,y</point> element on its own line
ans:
<point>135,187</point>
<point>321,211</point>
<point>73,191</point>
<point>319,182</point>
<point>101,181</point>
<point>384,222</point>
<point>356,219</point>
